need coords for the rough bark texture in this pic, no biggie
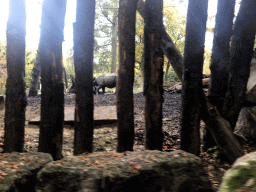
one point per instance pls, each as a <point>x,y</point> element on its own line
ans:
<point>15,89</point>
<point>50,49</point>
<point>35,77</point>
<point>153,68</point>
<point>240,59</point>
<point>220,50</point>
<point>192,76</point>
<point>126,35</point>
<point>167,45</point>
<point>220,60</point>
<point>83,61</point>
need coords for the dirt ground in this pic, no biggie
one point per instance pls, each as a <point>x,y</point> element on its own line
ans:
<point>105,136</point>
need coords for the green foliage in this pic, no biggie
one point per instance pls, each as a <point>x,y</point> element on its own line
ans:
<point>104,17</point>
<point>172,76</point>
<point>3,76</point>
<point>3,53</point>
<point>207,60</point>
<point>30,61</point>
<point>68,63</point>
<point>214,150</point>
<point>174,25</point>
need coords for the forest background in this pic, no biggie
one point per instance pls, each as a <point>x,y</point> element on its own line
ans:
<point>106,42</point>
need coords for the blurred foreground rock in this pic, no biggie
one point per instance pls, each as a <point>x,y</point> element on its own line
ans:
<point>18,170</point>
<point>242,176</point>
<point>131,171</point>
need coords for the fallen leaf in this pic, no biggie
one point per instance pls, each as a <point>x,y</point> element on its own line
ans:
<point>155,155</point>
<point>5,155</point>
<point>90,165</point>
<point>211,175</point>
<point>30,161</point>
<point>109,162</point>
<point>4,174</point>
<point>223,170</point>
<point>137,166</point>
<point>165,147</point>
<point>59,163</point>
<point>147,161</point>
<point>22,163</point>
<point>117,154</point>
<point>1,177</point>
<point>4,162</point>
<point>83,158</point>
<point>133,170</point>
<point>101,166</point>
<point>131,163</point>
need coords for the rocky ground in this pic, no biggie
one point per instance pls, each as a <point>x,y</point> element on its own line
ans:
<point>105,136</point>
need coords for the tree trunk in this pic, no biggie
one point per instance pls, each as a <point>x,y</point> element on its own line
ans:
<point>220,60</point>
<point>83,61</point>
<point>176,60</point>
<point>50,50</point>
<point>15,89</point>
<point>153,86</point>
<point>167,45</point>
<point>114,44</point>
<point>65,76</point>
<point>192,76</point>
<point>240,59</point>
<point>166,70</point>
<point>126,35</point>
<point>35,77</point>
<point>220,49</point>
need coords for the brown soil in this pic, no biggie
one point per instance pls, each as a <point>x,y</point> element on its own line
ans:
<point>105,136</point>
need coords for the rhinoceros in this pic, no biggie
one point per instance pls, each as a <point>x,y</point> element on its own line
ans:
<point>105,80</point>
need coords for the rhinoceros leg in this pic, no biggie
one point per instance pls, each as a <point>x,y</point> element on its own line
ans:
<point>98,89</point>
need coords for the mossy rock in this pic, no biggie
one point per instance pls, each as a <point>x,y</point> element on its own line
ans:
<point>242,176</point>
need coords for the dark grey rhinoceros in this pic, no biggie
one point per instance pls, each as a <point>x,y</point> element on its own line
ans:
<point>105,80</point>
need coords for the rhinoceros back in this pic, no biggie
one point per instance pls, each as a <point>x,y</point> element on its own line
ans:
<point>107,80</point>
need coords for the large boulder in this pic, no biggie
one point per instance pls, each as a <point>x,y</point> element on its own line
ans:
<point>241,176</point>
<point>142,171</point>
<point>251,84</point>
<point>18,170</point>
<point>246,124</point>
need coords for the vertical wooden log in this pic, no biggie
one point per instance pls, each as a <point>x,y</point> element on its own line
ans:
<point>15,88</point>
<point>240,60</point>
<point>192,75</point>
<point>220,60</point>
<point>83,61</point>
<point>153,86</point>
<point>126,35</point>
<point>52,103</point>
